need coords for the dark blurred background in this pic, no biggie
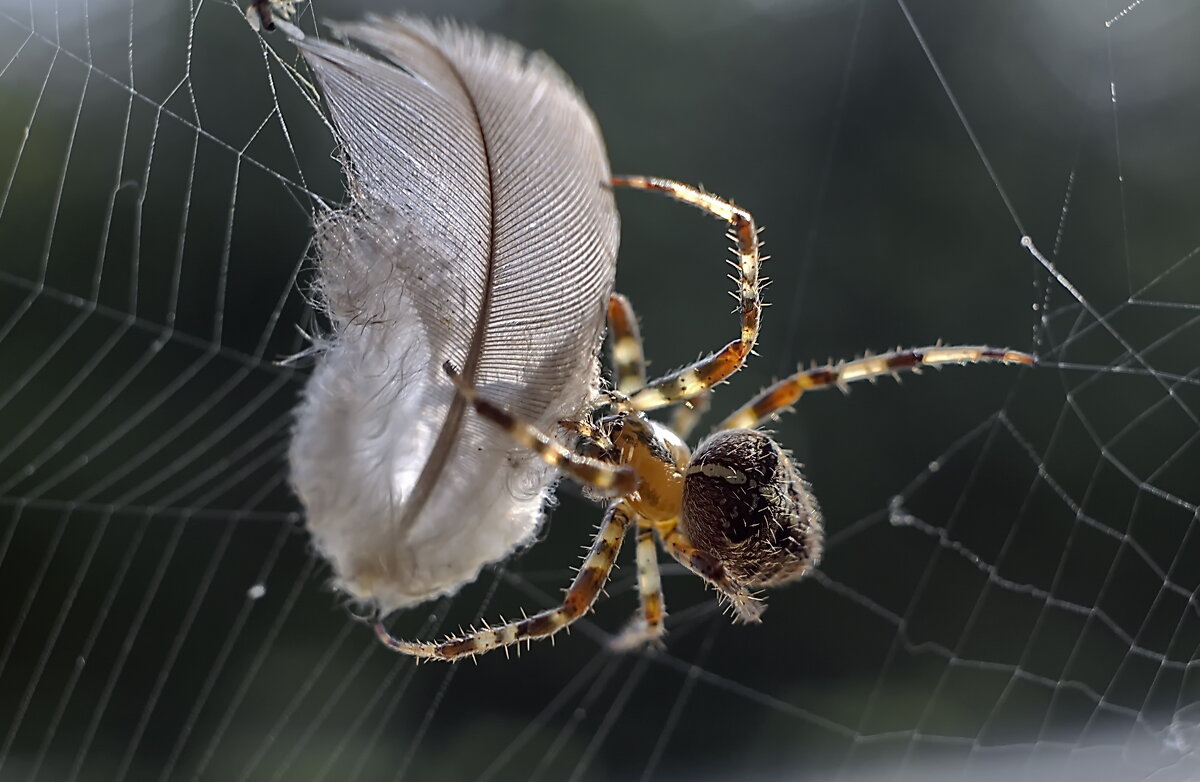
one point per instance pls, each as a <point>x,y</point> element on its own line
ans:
<point>1009,585</point>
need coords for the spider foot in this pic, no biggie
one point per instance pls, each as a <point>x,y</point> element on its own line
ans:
<point>638,634</point>
<point>746,607</point>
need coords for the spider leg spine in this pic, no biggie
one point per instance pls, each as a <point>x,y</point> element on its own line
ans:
<point>579,599</point>
<point>691,380</point>
<point>607,479</point>
<point>746,606</point>
<point>784,393</point>
<point>648,626</point>
<point>628,356</point>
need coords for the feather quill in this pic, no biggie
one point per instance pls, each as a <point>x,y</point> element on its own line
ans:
<point>479,231</point>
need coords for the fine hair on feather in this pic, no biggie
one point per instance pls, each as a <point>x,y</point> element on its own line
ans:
<point>479,230</point>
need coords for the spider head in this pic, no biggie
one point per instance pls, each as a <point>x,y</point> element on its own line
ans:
<point>747,504</point>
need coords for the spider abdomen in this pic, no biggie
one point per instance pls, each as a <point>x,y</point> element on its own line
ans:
<point>745,503</point>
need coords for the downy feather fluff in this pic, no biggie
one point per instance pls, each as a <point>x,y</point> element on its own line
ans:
<point>480,231</point>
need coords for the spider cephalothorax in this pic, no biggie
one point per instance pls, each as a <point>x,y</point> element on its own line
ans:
<point>737,512</point>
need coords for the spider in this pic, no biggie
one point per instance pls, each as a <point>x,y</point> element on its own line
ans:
<point>737,512</point>
<point>261,13</point>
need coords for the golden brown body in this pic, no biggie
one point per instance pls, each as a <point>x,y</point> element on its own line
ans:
<point>737,512</point>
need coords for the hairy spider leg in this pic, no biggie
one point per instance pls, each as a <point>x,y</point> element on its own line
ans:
<point>685,417</point>
<point>784,393</point>
<point>609,480</point>
<point>629,366</point>
<point>694,379</point>
<point>586,430</point>
<point>262,8</point>
<point>648,626</point>
<point>591,442</point>
<point>746,606</point>
<point>628,358</point>
<point>577,601</point>
<point>262,12</point>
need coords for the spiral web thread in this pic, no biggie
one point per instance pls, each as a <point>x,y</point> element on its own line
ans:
<point>164,617</point>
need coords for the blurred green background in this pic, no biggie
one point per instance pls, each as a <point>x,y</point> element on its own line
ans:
<point>1010,576</point>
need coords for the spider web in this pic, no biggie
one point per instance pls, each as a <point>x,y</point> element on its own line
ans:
<point>1012,564</point>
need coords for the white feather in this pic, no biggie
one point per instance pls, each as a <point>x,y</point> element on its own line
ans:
<point>481,231</point>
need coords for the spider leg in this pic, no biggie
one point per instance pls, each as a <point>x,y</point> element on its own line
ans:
<point>685,417</point>
<point>580,596</point>
<point>647,627</point>
<point>784,393</point>
<point>606,479</point>
<point>692,380</point>
<point>746,606</point>
<point>585,430</point>
<point>629,365</point>
<point>259,14</point>
<point>629,362</point>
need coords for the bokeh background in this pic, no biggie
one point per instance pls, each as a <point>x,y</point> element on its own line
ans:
<point>1009,585</point>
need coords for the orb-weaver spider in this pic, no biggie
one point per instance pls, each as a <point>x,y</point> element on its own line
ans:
<point>261,13</point>
<point>737,512</point>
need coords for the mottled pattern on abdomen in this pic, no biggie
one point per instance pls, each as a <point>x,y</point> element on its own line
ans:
<point>747,504</point>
